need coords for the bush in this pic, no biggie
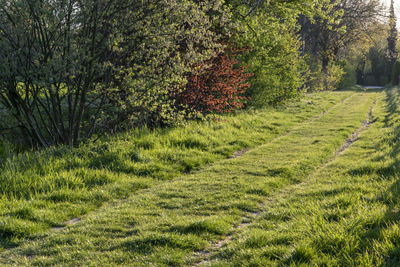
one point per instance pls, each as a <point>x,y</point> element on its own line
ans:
<point>218,85</point>
<point>349,76</point>
<point>330,79</point>
<point>279,70</point>
<point>333,76</point>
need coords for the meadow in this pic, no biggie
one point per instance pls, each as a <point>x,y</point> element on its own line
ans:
<point>36,185</point>
<point>310,183</point>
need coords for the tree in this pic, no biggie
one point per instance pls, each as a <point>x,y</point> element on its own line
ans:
<point>270,29</point>
<point>354,21</point>
<point>376,56</point>
<point>366,58</point>
<point>392,40</point>
<point>69,68</point>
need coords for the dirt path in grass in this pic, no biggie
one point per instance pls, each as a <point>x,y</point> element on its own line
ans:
<point>345,213</point>
<point>205,256</point>
<point>243,151</point>
<point>198,214</point>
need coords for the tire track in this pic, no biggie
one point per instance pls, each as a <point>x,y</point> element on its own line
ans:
<point>241,152</point>
<point>147,202</point>
<point>209,254</point>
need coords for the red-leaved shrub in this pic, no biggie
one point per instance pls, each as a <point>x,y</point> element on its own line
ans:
<point>217,86</point>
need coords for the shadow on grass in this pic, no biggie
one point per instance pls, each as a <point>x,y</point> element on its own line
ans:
<point>383,172</point>
<point>376,230</point>
<point>174,241</point>
<point>7,244</point>
<point>391,197</point>
<point>360,89</point>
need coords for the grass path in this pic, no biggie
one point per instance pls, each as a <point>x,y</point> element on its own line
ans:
<point>346,213</point>
<point>54,187</point>
<point>210,255</point>
<point>174,222</point>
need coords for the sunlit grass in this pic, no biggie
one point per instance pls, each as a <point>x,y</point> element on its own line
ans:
<point>43,189</point>
<point>172,220</point>
<point>344,214</point>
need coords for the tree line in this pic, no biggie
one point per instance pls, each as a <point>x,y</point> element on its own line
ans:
<point>74,69</point>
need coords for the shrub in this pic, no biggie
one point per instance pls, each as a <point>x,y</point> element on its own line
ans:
<point>349,77</point>
<point>274,59</point>
<point>216,86</point>
<point>330,79</point>
<point>333,76</point>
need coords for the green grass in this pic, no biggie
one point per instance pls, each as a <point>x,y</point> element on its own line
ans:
<point>44,189</point>
<point>345,213</point>
<point>173,221</point>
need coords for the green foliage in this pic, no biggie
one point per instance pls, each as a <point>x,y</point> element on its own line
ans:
<point>271,30</point>
<point>274,56</point>
<point>315,81</point>
<point>73,68</point>
<point>166,43</point>
<point>330,79</point>
<point>278,69</point>
<point>367,60</point>
<point>352,28</point>
<point>333,76</point>
<point>377,57</point>
<point>396,73</point>
<point>349,77</point>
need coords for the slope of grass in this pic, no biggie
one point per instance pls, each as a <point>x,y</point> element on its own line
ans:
<point>168,223</point>
<point>44,189</point>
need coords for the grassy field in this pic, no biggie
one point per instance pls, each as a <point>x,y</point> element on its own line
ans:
<point>42,190</point>
<point>318,185</point>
